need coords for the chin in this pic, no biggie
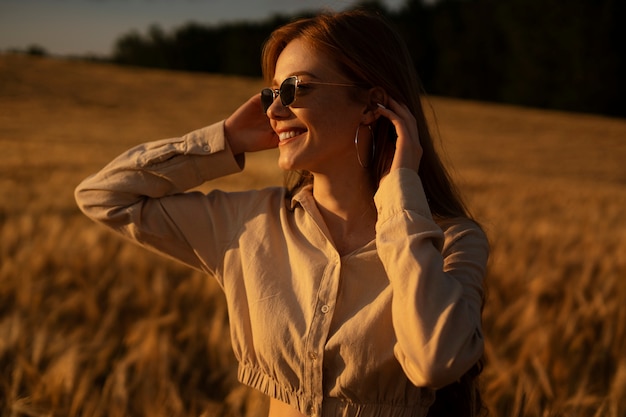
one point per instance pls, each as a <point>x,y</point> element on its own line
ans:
<point>289,162</point>
<point>286,165</point>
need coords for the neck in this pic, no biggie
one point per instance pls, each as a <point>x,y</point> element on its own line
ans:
<point>347,206</point>
<point>344,196</point>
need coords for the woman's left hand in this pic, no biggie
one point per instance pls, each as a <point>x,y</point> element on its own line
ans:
<point>408,147</point>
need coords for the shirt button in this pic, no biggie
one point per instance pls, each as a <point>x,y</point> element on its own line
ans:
<point>313,355</point>
<point>207,148</point>
<point>325,308</point>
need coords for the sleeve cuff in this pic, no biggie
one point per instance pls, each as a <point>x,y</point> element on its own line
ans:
<point>401,190</point>
<point>211,140</point>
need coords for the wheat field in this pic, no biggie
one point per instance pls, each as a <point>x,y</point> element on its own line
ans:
<point>91,325</point>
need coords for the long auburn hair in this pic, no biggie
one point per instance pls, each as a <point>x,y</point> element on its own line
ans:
<point>369,52</point>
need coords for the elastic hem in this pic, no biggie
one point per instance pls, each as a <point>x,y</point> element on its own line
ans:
<point>331,407</point>
<point>272,388</point>
<point>334,407</point>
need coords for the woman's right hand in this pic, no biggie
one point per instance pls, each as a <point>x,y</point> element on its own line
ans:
<point>248,128</point>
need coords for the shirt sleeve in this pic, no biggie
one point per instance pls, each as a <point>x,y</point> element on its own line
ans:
<point>437,282</point>
<point>141,195</point>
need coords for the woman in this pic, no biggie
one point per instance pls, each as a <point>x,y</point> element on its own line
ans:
<point>356,290</point>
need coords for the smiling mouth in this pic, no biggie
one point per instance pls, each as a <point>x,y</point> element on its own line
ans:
<point>283,136</point>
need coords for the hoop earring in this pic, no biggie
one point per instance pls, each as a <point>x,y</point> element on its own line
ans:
<point>356,145</point>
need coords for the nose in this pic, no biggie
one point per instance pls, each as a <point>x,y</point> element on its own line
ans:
<point>277,111</point>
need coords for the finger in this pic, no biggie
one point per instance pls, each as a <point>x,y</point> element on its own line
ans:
<point>387,112</point>
<point>400,108</point>
<point>396,119</point>
<point>395,108</point>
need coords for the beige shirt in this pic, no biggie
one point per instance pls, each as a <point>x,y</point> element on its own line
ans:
<point>371,333</point>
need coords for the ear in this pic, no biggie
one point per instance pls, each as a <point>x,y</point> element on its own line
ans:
<point>375,96</point>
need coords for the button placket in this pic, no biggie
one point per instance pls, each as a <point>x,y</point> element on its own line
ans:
<point>312,411</point>
<point>320,327</point>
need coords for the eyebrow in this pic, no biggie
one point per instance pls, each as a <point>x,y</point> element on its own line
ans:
<point>296,73</point>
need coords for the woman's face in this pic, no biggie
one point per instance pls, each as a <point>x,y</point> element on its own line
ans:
<point>317,131</point>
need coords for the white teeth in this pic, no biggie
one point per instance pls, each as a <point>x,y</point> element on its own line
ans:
<point>287,135</point>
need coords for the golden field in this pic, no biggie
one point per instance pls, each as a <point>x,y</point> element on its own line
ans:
<point>91,325</point>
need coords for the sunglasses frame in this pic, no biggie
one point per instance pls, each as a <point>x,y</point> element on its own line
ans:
<point>291,81</point>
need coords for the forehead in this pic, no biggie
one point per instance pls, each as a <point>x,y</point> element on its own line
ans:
<point>300,57</point>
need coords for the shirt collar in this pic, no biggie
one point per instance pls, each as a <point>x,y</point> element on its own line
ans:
<point>302,196</point>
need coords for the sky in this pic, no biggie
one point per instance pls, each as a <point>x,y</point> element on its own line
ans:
<point>81,27</point>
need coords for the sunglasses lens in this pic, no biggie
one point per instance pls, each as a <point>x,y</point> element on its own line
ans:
<point>288,91</point>
<point>267,98</point>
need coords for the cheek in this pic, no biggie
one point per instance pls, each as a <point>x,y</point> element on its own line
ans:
<point>333,117</point>
<point>334,129</point>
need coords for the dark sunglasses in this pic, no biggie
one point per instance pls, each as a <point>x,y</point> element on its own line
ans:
<point>287,91</point>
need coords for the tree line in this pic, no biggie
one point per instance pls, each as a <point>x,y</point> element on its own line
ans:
<point>558,54</point>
